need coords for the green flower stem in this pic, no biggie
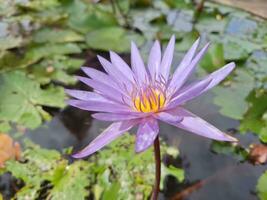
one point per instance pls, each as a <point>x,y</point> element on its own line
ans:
<point>158,170</point>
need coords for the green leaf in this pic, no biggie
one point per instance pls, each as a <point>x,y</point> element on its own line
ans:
<point>9,60</point>
<point>34,54</point>
<point>254,119</point>
<point>9,42</point>
<point>39,4</point>
<point>228,148</point>
<point>112,38</point>
<point>187,41</point>
<point>70,182</point>
<point>88,17</point>
<point>22,99</point>
<point>111,193</point>
<point>214,58</point>
<point>262,187</point>
<point>232,99</point>
<point>122,164</point>
<point>57,68</point>
<point>56,36</point>
<point>234,52</point>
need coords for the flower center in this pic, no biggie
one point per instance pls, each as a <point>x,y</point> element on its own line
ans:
<point>149,100</point>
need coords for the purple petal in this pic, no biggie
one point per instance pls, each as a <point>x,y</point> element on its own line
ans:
<point>137,63</point>
<point>122,66</point>
<point>154,60</point>
<point>167,116</point>
<point>116,74</point>
<point>85,95</point>
<point>189,94</point>
<point>99,106</point>
<point>146,134</point>
<point>167,58</point>
<point>194,124</point>
<point>104,89</point>
<point>117,116</point>
<point>185,62</point>
<point>219,75</point>
<point>187,71</point>
<point>99,76</point>
<point>111,133</point>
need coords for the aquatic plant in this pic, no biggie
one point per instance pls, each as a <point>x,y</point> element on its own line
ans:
<point>143,95</point>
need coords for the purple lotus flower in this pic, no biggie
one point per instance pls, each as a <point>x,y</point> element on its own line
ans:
<point>140,96</point>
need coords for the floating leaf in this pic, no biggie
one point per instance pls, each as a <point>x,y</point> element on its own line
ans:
<point>9,42</point>
<point>56,68</point>
<point>214,58</point>
<point>262,187</point>
<point>254,118</point>
<point>232,149</point>
<point>34,54</point>
<point>84,17</point>
<point>231,99</point>
<point>258,154</point>
<point>234,52</point>
<point>22,99</point>
<point>112,38</point>
<point>56,36</point>
<point>8,149</point>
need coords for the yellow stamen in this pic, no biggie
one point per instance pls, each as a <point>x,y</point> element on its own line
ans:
<point>149,101</point>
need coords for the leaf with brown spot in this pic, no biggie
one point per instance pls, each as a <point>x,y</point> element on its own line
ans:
<point>258,154</point>
<point>8,149</point>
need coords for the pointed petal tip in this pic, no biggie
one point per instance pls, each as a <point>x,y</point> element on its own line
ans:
<point>80,154</point>
<point>139,150</point>
<point>77,156</point>
<point>133,45</point>
<point>112,54</point>
<point>84,68</point>
<point>232,65</point>
<point>101,59</point>
<point>232,139</point>
<point>197,41</point>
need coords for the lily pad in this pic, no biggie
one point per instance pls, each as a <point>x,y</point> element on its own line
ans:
<point>9,42</point>
<point>262,187</point>
<point>56,36</point>
<point>112,38</point>
<point>232,99</point>
<point>23,99</point>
